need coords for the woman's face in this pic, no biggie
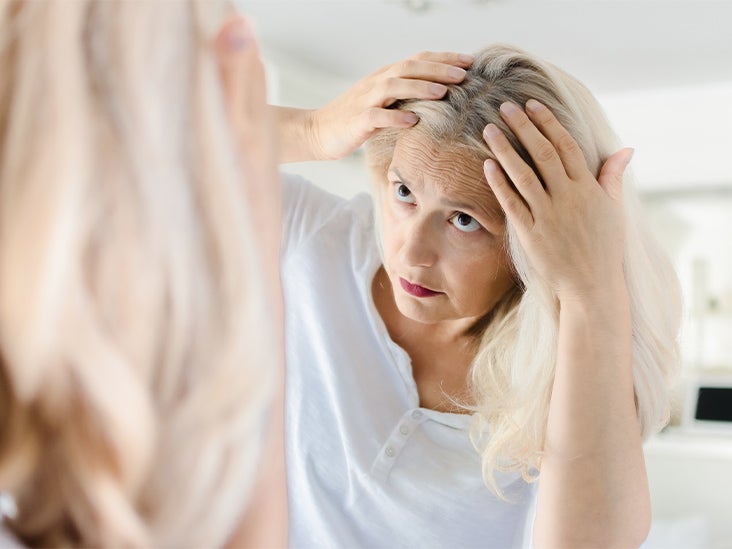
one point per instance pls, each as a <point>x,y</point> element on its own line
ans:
<point>444,234</point>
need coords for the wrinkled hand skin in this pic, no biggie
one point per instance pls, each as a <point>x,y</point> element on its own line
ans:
<point>340,127</point>
<point>573,228</point>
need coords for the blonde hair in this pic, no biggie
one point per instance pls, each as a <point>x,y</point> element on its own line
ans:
<point>512,374</point>
<point>135,340</point>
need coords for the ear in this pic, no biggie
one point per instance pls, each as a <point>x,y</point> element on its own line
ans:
<point>611,174</point>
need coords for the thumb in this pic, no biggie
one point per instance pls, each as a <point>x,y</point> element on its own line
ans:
<point>611,174</point>
<point>242,73</point>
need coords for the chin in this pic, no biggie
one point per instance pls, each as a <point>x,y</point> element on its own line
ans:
<point>419,312</point>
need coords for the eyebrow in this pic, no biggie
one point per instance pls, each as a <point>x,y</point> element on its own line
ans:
<point>493,214</point>
<point>411,184</point>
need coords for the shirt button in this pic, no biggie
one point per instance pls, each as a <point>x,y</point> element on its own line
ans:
<point>404,430</point>
<point>417,414</point>
<point>389,452</point>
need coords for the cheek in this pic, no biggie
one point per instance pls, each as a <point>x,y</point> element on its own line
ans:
<point>482,280</point>
<point>389,230</point>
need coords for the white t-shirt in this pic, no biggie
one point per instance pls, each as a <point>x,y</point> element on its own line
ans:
<point>366,466</point>
<point>8,540</point>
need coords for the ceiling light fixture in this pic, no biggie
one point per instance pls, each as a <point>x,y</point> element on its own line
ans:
<point>428,5</point>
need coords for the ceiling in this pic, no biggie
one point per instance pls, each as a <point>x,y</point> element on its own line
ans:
<point>610,45</point>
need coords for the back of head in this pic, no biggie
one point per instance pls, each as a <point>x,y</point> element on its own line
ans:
<point>133,328</point>
<point>512,374</point>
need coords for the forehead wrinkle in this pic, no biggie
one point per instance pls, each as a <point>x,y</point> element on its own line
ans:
<point>457,174</point>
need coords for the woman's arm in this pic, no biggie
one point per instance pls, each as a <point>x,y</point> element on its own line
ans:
<point>344,124</point>
<point>264,522</point>
<point>594,489</point>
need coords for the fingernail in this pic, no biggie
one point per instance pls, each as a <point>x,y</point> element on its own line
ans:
<point>438,89</point>
<point>411,118</point>
<point>534,106</point>
<point>238,35</point>
<point>509,108</point>
<point>490,165</point>
<point>466,58</point>
<point>491,130</point>
<point>456,72</point>
<point>629,157</point>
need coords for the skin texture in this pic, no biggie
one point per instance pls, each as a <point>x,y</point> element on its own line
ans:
<point>430,241</point>
<point>340,127</point>
<point>593,489</point>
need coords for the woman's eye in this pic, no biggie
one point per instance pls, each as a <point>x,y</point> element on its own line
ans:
<point>465,223</point>
<point>404,194</point>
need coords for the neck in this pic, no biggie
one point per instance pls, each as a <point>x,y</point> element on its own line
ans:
<point>440,353</point>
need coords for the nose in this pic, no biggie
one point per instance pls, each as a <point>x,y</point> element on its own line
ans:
<point>419,248</point>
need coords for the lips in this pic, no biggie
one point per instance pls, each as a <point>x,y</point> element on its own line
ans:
<point>416,290</point>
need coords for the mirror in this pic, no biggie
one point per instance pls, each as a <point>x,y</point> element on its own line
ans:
<point>662,71</point>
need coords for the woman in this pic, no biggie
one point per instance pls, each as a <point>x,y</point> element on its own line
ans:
<point>513,321</point>
<point>139,321</point>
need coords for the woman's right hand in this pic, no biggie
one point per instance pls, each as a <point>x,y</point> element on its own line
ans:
<point>344,124</point>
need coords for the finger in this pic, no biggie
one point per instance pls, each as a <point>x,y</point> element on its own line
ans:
<point>242,75</point>
<point>520,173</point>
<point>573,159</point>
<point>611,174</point>
<point>244,89</point>
<point>375,118</point>
<point>542,151</point>
<point>447,57</point>
<point>390,90</point>
<point>462,60</point>
<point>516,210</point>
<point>427,70</point>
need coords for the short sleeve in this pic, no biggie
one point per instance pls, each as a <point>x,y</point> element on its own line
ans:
<point>305,209</point>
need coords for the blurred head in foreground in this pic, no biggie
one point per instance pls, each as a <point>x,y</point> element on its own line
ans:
<point>138,348</point>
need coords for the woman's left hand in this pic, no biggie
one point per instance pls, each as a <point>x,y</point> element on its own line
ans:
<point>573,227</point>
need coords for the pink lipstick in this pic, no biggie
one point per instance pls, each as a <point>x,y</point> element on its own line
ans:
<point>417,290</point>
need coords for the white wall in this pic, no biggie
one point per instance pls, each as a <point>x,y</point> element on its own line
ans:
<point>682,135</point>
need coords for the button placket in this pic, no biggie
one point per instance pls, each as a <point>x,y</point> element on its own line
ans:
<point>398,438</point>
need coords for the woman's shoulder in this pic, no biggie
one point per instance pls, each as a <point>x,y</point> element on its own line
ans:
<point>309,209</point>
<point>300,191</point>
